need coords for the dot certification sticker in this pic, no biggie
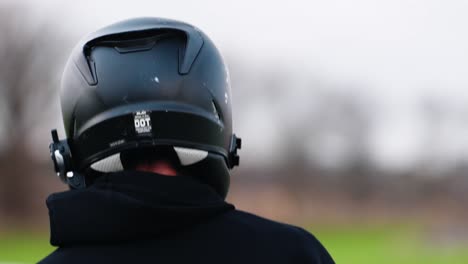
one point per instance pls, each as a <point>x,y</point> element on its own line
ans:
<point>142,121</point>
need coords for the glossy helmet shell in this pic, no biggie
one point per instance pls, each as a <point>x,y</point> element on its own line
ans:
<point>163,71</point>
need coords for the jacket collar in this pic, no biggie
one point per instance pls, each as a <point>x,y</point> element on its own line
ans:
<point>131,205</point>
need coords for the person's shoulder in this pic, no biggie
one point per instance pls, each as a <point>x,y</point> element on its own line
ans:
<point>262,224</point>
<point>57,256</point>
<point>249,220</point>
<point>303,243</point>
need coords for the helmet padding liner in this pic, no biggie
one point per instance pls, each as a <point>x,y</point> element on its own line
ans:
<point>189,156</point>
<point>108,164</point>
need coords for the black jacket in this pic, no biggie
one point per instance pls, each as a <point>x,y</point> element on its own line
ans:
<point>135,217</point>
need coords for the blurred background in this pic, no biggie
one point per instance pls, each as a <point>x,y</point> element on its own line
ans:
<point>353,114</point>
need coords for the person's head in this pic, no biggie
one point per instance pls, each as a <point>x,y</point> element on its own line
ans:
<point>146,94</point>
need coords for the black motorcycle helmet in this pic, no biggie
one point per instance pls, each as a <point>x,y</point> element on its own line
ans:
<point>146,83</point>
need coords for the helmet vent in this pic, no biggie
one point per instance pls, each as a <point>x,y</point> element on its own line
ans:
<point>215,111</point>
<point>135,45</point>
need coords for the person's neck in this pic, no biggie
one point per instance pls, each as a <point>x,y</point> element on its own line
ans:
<point>160,167</point>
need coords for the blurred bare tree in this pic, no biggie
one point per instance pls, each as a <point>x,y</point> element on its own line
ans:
<point>28,82</point>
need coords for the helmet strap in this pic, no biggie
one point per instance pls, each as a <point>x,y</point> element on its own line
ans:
<point>63,162</point>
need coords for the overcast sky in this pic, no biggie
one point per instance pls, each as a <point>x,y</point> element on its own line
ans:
<point>400,50</point>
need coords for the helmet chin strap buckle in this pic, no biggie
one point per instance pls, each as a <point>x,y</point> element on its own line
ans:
<point>236,143</point>
<point>63,163</point>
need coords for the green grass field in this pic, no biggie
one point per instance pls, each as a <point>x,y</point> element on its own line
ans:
<point>347,245</point>
<point>22,247</point>
<point>388,244</point>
